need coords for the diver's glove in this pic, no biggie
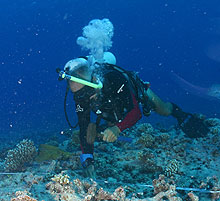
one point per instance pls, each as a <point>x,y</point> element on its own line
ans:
<point>111,134</point>
<point>87,162</point>
<point>191,124</point>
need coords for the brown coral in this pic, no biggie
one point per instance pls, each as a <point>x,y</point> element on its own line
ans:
<point>24,153</point>
<point>22,196</point>
<point>148,161</point>
<point>145,128</point>
<point>215,195</point>
<point>160,185</point>
<point>62,192</point>
<point>193,197</point>
<point>147,140</point>
<point>170,194</point>
<point>61,178</point>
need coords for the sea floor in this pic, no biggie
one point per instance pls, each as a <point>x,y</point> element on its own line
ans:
<point>154,163</point>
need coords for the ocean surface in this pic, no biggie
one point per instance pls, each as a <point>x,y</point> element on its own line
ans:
<point>154,38</point>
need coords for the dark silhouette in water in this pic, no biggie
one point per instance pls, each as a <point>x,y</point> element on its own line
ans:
<point>212,92</point>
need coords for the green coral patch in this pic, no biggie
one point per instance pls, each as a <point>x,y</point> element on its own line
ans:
<point>49,152</point>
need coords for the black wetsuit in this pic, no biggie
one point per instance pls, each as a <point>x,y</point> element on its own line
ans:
<point>116,103</point>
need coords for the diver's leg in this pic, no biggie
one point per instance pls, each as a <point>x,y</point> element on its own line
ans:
<point>192,125</point>
<point>161,107</point>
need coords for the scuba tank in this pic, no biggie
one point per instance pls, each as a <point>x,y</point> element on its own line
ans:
<point>138,87</point>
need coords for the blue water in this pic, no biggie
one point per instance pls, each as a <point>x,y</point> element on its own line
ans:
<point>152,37</point>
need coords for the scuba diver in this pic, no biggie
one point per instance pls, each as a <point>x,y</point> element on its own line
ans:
<point>115,96</point>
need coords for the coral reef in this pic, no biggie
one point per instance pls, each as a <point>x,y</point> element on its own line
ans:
<point>78,190</point>
<point>147,140</point>
<point>193,197</point>
<point>172,167</point>
<point>126,171</point>
<point>148,161</point>
<point>61,179</point>
<point>62,191</point>
<point>22,196</point>
<point>16,158</point>
<point>160,184</point>
<point>145,128</point>
<point>87,191</point>
<point>216,193</point>
<point>170,194</point>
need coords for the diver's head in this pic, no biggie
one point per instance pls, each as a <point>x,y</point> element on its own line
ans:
<point>79,68</point>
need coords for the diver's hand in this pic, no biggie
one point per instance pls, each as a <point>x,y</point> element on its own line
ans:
<point>194,126</point>
<point>111,134</point>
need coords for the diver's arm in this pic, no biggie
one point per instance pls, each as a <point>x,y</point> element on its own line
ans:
<point>84,120</point>
<point>86,158</point>
<point>82,104</point>
<point>161,107</point>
